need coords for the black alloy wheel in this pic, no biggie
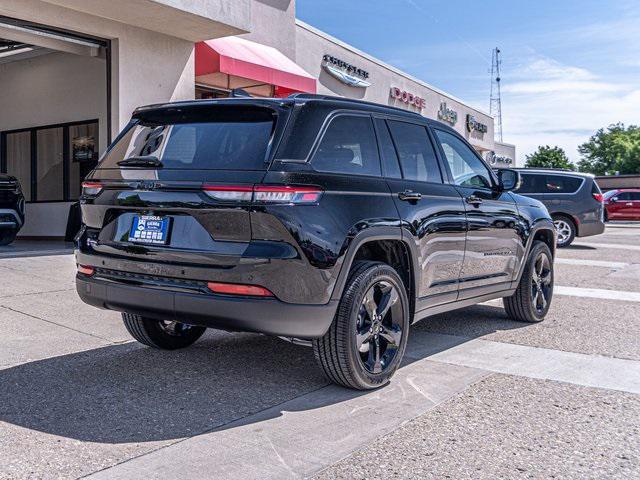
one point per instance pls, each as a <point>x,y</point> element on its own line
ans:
<point>541,286</point>
<point>366,341</point>
<point>532,299</point>
<point>379,327</point>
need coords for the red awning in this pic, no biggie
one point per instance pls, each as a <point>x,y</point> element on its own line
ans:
<point>238,57</point>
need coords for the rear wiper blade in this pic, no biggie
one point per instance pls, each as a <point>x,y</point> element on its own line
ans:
<point>150,161</point>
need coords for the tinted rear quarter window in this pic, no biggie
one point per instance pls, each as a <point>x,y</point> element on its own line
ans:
<point>562,184</point>
<point>417,155</point>
<point>222,139</point>
<point>348,146</point>
<point>532,183</point>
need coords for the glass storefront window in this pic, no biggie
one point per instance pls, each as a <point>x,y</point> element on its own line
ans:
<point>18,159</point>
<point>50,162</point>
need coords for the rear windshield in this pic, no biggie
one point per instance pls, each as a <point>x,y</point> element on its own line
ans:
<point>221,138</point>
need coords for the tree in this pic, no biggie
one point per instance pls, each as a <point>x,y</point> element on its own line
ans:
<point>616,149</point>
<point>549,157</point>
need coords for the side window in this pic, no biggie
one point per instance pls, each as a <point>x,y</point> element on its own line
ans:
<point>391,168</point>
<point>417,156</point>
<point>531,183</point>
<point>467,169</point>
<point>348,146</point>
<point>635,196</point>
<point>562,184</point>
<point>624,196</point>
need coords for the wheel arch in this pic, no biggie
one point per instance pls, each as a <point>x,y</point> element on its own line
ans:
<point>543,231</point>
<point>385,245</point>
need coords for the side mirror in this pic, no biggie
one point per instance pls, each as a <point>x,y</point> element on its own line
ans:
<point>613,199</point>
<point>509,179</point>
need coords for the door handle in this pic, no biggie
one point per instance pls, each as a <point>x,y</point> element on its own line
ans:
<point>473,200</point>
<point>628,204</point>
<point>409,196</point>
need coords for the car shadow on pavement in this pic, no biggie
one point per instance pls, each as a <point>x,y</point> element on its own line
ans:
<point>128,393</point>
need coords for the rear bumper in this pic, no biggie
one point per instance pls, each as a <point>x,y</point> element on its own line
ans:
<point>588,229</point>
<point>269,316</point>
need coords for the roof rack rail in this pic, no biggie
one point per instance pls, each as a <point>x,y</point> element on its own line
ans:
<point>315,96</point>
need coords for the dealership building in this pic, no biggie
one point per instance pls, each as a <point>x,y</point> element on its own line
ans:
<point>73,71</point>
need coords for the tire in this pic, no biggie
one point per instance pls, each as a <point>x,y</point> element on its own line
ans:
<point>566,230</point>
<point>164,335</point>
<point>359,351</point>
<point>7,237</point>
<point>526,304</point>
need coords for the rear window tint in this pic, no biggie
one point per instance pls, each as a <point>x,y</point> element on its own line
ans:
<point>532,183</point>
<point>220,140</point>
<point>348,146</point>
<point>562,184</point>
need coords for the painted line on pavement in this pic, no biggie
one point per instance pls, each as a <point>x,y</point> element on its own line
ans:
<point>590,263</point>
<point>300,437</point>
<point>633,233</point>
<point>597,293</point>
<point>614,246</point>
<point>526,361</point>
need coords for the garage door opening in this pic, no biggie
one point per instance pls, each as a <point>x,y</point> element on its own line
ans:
<point>55,99</point>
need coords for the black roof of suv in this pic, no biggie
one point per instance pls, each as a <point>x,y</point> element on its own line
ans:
<point>334,221</point>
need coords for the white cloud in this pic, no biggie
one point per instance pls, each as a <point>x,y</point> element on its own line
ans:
<point>546,102</point>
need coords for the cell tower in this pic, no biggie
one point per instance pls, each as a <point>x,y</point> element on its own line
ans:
<point>495,101</point>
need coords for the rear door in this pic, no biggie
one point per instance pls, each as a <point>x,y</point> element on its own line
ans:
<point>173,182</point>
<point>624,206</point>
<point>432,212</point>
<point>493,247</point>
<point>635,208</point>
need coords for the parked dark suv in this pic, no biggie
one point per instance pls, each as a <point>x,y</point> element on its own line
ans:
<point>573,199</point>
<point>333,221</point>
<point>11,209</point>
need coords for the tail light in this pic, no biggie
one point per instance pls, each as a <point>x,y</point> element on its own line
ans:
<point>277,194</point>
<point>237,289</point>
<point>286,194</point>
<point>598,197</point>
<point>83,269</point>
<point>91,189</point>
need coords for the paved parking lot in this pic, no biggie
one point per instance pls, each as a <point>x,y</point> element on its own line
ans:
<point>479,396</point>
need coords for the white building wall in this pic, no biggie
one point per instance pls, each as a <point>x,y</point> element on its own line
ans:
<point>54,88</point>
<point>148,67</point>
<point>50,89</point>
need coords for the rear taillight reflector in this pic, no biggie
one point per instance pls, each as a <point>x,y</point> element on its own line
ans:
<point>83,269</point>
<point>276,194</point>
<point>228,193</point>
<point>91,189</point>
<point>236,289</point>
<point>598,196</point>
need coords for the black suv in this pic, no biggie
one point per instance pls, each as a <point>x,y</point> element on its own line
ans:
<point>327,220</point>
<point>11,209</point>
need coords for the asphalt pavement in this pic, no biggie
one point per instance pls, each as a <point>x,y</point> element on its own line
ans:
<point>478,396</point>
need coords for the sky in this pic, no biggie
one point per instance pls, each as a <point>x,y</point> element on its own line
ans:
<point>569,67</point>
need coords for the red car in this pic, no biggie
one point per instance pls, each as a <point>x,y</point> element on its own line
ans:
<point>622,204</point>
